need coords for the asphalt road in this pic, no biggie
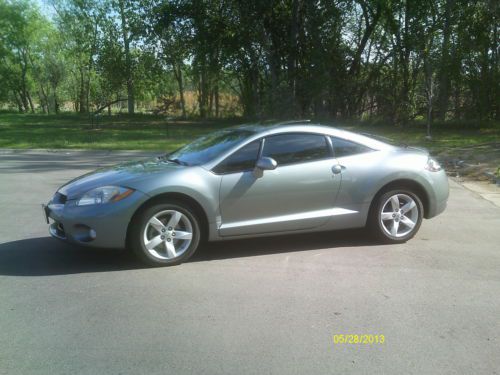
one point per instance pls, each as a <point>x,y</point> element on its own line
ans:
<point>266,306</point>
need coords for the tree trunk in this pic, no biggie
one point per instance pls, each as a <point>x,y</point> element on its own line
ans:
<point>210,103</point>
<point>216,94</point>
<point>429,90</point>
<point>371,20</point>
<point>108,105</point>
<point>76,103</point>
<point>203,91</point>
<point>56,103</point>
<point>82,95</point>
<point>274,65</point>
<point>128,60</point>
<point>495,68</point>
<point>24,100</point>
<point>444,72</point>
<point>180,83</point>
<point>87,92</point>
<point>44,100</point>
<point>370,25</point>
<point>405,95</point>
<point>32,107</point>
<point>292,56</point>
<point>24,89</point>
<point>18,102</point>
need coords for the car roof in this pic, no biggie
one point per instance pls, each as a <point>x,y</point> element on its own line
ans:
<point>261,130</point>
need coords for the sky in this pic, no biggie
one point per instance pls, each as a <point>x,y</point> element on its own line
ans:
<point>44,7</point>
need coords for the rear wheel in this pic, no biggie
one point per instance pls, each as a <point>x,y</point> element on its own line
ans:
<point>165,234</point>
<point>396,216</point>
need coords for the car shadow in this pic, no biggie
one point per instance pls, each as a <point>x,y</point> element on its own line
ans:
<point>45,256</point>
<point>282,244</point>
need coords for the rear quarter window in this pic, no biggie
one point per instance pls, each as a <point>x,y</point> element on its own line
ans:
<point>343,147</point>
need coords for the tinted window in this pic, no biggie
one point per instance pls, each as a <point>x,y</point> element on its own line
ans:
<point>207,148</point>
<point>341,147</point>
<point>242,160</point>
<point>296,148</point>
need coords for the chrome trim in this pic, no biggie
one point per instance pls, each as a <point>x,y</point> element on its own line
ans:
<point>56,206</point>
<point>45,213</point>
<point>53,232</point>
<point>303,216</point>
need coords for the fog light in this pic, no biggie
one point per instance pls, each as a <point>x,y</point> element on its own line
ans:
<point>84,233</point>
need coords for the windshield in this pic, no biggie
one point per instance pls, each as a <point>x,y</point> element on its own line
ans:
<point>207,148</point>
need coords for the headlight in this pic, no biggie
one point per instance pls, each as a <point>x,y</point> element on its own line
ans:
<point>432,165</point>
<point>104,194</point>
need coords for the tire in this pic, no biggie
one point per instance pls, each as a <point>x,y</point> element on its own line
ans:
<point>396,220</point>
<point>165,234</point>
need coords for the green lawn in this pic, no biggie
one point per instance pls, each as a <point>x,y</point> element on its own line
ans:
<point>148,132</point>
<point>140,132</point>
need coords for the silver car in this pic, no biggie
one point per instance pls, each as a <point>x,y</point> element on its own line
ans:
<point>251,181</point>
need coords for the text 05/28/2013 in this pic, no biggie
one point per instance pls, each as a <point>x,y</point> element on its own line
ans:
<point>365,339</point>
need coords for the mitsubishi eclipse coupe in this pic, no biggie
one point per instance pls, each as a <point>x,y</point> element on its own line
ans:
<point>251,181</point>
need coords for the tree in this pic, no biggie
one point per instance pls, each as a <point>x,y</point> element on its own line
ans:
<point>168,39</point>
<point>19,25</point>
<point>79,23</point>
<point>380,60</point>
<point>125,9</point>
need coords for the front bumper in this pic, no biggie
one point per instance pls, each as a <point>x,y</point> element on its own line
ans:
<point>102,226</point>
<point>438,193</point>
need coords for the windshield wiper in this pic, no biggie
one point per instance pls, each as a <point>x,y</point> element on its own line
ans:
<point>172,160</point>
<point>177,161</point>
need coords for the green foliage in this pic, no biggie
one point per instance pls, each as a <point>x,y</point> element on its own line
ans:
<point>381,60</point>
<point>150,132</point>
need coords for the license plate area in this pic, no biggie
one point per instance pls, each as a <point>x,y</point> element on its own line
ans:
<point>45,210</point>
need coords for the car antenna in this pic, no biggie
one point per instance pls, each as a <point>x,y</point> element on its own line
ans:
<point>292,122</point>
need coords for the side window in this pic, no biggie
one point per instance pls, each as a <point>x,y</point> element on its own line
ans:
<point>296,148</point>
<point>241,160</point>
<point>342,147</point>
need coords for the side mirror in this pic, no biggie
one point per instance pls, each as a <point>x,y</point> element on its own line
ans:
<point>266,164</point>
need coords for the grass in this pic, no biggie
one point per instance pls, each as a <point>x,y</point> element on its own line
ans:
<point>441,138</point>
<point>149,132</point>
<point>72,131</point>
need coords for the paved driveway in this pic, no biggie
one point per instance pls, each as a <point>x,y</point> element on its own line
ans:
<point>245,307</point>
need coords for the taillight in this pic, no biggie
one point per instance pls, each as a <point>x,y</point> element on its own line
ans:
<point>432,165</point>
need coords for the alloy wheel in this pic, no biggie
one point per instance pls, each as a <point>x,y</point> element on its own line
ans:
<point>399,215</point>
<point>168,234</point>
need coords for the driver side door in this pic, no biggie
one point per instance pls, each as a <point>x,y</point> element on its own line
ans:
<point>299,194</point>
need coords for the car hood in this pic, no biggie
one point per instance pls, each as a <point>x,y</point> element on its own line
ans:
<point>123,174</point>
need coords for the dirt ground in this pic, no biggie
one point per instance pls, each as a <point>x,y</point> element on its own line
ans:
<point>476,162</point>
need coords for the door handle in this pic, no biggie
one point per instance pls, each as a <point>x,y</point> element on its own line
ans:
<point>336,169</point>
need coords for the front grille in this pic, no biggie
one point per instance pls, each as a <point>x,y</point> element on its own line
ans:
<point>60,230</point>
<point>59,198</point>
<point>56,229</point>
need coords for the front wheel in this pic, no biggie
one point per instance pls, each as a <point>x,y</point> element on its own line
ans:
<point>165,234</point>
<point>396,216</point>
